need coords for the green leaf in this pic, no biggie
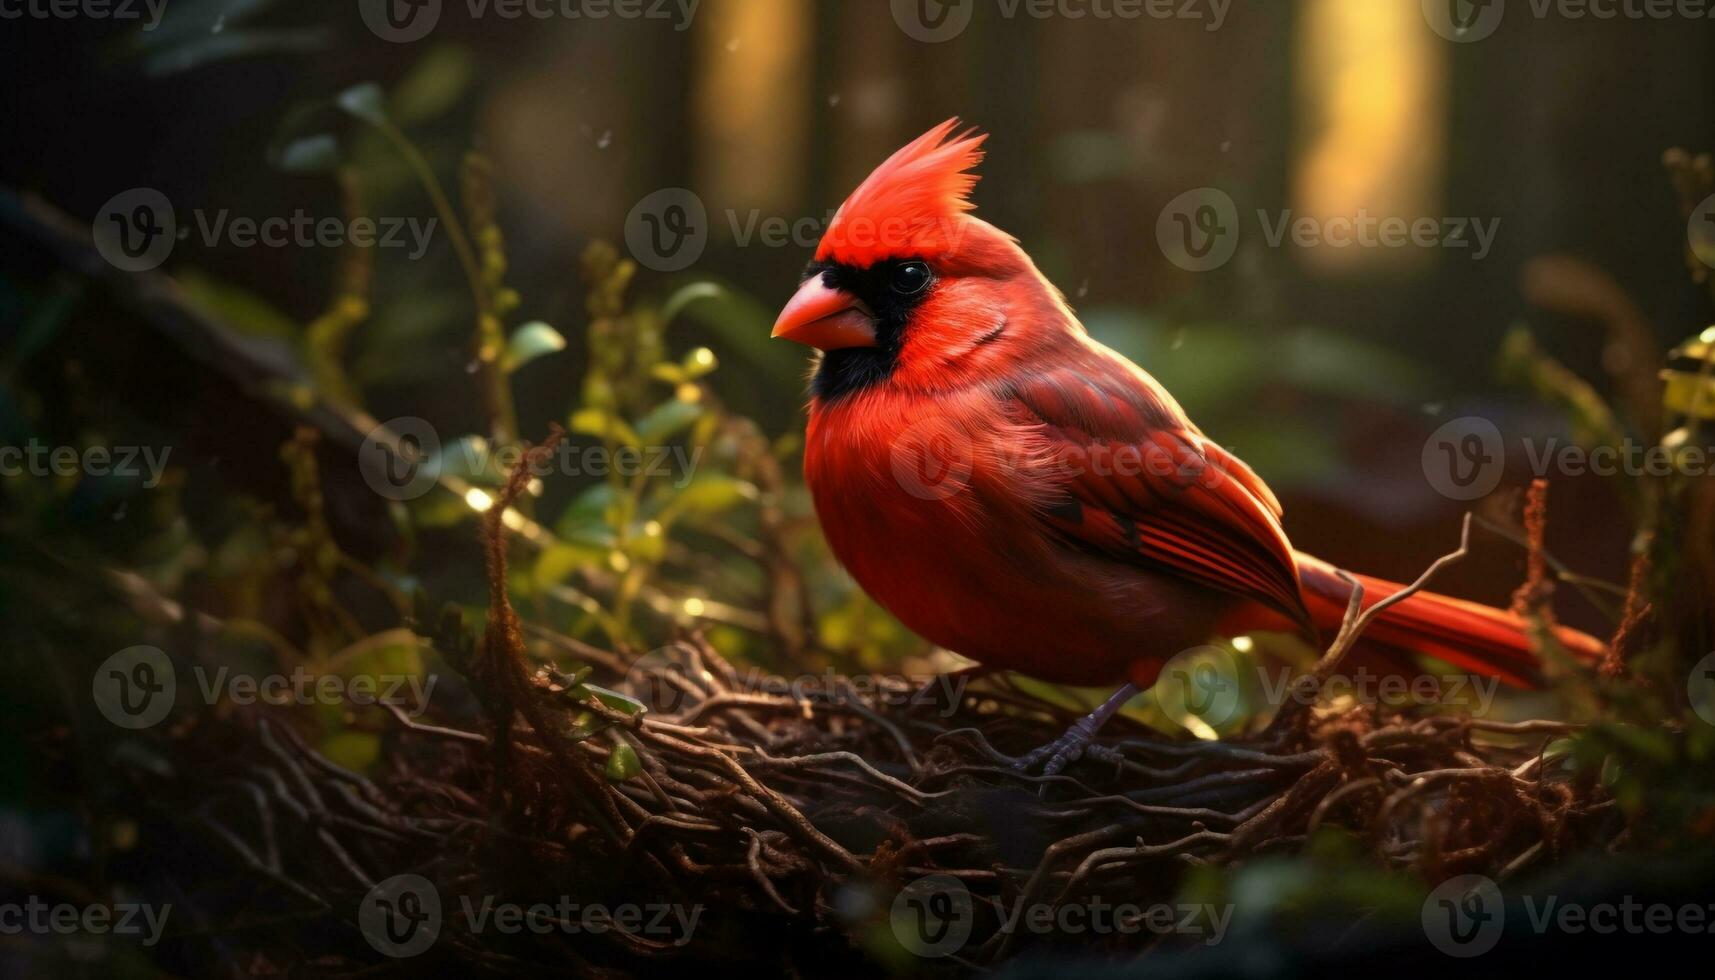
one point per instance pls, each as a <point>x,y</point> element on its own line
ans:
<point>623,764</point>
<point>589,507</point>
<point>613,699</point>
<point>1523,362</point>
<point>161,61</point>
<point>366,102</point>
<point>390,653</point>
<point>356,751</point>
<point>742,324</point>
<point>472,458</point>
<point>532,340</point>
<point>434,84</point>
<point>667,420</point>
<point>250,313</point>
<point>668,373</point>
<point>707,496</point>
<point>318,154</point>
<point>603,425</point>
<point>561,561</point>
<point>685,296</point>
<point>698,363</point>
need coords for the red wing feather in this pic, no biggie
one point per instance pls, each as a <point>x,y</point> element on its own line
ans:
<point>1144,485</point>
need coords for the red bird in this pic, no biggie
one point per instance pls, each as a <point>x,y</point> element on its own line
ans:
<point>1014,491</point>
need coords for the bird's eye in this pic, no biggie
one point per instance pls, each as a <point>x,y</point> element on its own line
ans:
<point>911,278</point>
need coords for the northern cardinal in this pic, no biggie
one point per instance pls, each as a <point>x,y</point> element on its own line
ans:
<point>1014,491</point>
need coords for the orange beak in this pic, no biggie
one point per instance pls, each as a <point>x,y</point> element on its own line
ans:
<point>826,318</point>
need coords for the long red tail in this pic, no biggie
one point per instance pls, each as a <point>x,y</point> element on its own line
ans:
<point>1469,635</point>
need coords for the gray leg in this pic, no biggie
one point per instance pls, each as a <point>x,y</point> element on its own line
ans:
<point>1069,747</point>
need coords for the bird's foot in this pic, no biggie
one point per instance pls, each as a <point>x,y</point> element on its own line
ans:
<point>1077,743</point>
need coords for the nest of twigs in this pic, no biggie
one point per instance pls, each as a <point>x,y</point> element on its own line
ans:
<point>790,819</point>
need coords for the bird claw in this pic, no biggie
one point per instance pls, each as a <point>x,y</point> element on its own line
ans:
<point>1075,744</point>
<point>1060,753</point>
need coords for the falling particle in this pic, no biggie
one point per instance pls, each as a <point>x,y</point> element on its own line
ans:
<point>1083,289</point>
<point>1226,145</point>
<point>219,24</point>
<point>474,366</point>
<point>732,45</point>
<point>605,140</point>
<point>833,100</point>
<point>1433,408</point>
<point>184,233</point>
<point>119,512</point>
<point>1178,340</point>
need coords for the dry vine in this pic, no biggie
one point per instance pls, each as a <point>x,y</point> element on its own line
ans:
<point>791,816</point>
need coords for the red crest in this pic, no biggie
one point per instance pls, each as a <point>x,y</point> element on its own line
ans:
<point>913,205</point>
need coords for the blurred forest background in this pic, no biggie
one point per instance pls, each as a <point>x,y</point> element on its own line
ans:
<point>1326,369</point>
